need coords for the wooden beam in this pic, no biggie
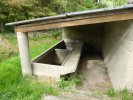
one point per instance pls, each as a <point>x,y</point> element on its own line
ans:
<point>93,20</point>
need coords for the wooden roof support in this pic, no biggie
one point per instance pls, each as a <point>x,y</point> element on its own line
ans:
<point>75,22</point>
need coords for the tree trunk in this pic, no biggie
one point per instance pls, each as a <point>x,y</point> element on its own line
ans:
<point>1,26</point>
<point>98,1</point>
<point>27,15</point>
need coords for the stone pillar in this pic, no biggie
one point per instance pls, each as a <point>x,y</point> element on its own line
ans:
<point>24,53</point>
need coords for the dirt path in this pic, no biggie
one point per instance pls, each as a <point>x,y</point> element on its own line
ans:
<point>77,95</point>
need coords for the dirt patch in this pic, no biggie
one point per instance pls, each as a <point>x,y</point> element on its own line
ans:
<point>7,45</point>
<point>83,95</point>
<point>93,71</point>
<point>6,49</point>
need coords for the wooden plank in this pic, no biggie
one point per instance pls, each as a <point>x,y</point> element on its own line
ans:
<point>93,20</point>
<point>98,14</point>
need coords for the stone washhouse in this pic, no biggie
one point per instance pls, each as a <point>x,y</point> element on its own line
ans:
<point>108,31</point>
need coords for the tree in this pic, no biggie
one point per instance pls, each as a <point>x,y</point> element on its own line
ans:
<point>3,14</point>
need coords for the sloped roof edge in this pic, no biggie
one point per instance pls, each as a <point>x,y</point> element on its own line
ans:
<point>66,15</point>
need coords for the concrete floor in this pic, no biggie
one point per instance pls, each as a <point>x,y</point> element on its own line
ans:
<point>93,71</point>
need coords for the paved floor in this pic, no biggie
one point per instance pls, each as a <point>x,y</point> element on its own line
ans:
<point>93,71</point>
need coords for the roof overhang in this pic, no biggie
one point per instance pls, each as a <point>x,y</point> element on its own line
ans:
<point>75,19</point>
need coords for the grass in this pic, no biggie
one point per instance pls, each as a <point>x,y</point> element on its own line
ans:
<point>12,85</point>
<point>111,92</point>
<point>124,94</point>
<point>10,37</point>
<point>67,83</point>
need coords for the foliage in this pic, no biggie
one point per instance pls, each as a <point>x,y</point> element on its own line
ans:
<point>81,5</point>
<point>111,92</point>
<point>3,9</point>
<point>66,83</point>
<point>124,94</point>
<point>114,2</point>
<point>78,79</point>
<point>56,33</point>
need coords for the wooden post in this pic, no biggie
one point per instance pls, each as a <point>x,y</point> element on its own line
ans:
<point>23,45</point>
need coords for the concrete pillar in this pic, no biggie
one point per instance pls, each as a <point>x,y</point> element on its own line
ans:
<point>118,53</point>
<point>24,53</point>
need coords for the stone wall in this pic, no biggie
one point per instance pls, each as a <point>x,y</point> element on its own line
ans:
<point>118,53</point>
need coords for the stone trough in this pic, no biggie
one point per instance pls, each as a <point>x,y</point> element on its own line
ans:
<point>61,59</point>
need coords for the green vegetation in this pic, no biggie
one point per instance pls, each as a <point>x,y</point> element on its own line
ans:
<point>111,92</point>
<point>114,2</point>
<point>12,85</point>
<point>66,83</point>
<point>125,94</point>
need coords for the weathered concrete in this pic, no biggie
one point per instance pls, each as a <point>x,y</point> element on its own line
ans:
<point>91,34</point>
<point>115,41</point>
<point>23,44</point>
<point>56,63</point>
<point>61,55</point>
<point>118,53</point>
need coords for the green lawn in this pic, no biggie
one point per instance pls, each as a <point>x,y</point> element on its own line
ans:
<point>12,85</point>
